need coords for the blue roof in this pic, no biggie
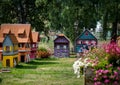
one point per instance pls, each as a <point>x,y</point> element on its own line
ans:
<point>87,35</point>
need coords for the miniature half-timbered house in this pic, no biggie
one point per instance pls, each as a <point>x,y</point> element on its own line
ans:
<point>34,45</point>
<point>85,41</point>
<point>61,46</point>
<point>10,51</point>
<point>24,36</point>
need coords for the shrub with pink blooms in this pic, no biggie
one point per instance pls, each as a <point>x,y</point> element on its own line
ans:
<point>108,71</point>
<point>113,51</point>
<point>107,76</point>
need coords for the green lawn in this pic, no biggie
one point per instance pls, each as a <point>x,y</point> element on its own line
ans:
<point>53,71</point>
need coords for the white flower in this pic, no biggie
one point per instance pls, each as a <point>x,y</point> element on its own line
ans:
<point>76,67</point>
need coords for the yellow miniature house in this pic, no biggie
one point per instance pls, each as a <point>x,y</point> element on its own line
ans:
<point>10,51</point>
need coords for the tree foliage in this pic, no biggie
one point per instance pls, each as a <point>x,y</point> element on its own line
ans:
<point>60,15</point>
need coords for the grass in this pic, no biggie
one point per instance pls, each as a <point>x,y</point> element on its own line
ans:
<point>52,71</point>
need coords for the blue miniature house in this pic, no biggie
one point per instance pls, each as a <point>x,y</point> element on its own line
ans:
<point>10,51</point>
<point>85,41</point>
<point>61,46</point>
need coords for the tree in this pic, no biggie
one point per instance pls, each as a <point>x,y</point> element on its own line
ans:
<point>60,15</point>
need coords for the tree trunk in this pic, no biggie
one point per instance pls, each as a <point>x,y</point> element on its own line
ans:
<point>114,24</point>
<point>46,34</point>
<point>105,19</point>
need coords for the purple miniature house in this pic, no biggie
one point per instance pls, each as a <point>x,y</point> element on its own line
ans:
<point>61,46</point>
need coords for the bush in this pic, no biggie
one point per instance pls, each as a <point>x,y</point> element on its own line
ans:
<point>101,64</point>
<point>113,54</point>
<point>98,52</point>
<point>42,49</point>
<point>43,52</point>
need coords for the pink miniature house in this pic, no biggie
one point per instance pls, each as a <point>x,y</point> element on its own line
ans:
<point>34,45</point>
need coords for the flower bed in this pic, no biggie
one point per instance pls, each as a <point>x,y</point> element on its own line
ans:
<point>106,71</point>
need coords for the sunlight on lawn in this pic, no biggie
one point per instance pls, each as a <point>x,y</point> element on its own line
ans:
<point>43,72</point>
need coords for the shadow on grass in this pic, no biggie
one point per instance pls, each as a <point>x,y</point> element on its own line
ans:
<point>0,80</point>
<point>41,62</point>
<point>26,67</point>
<point>50,58</point>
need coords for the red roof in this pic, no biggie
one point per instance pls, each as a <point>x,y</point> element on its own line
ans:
<point>17,29</point>
<point>13,38</point>
<point>6,31</point>
<point>20,31</point>
<point>35,37</point>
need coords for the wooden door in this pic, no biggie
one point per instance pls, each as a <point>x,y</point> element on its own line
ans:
<point>22,58</point>
<point>8,63</point>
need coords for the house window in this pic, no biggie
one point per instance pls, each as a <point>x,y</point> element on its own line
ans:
<point>21,35</point>
<point>58,47</point>
<point>27,45</point>
<point>33,45</point>
<point>7,48</point>
<point>79,42</point>
<point>30,45</point>
<point>86,42</point>
<point>64,47</point>
<point>20,45</point>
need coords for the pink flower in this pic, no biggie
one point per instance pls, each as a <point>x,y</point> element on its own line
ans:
<point>118,68</point>
<point>105,76</point>
<point>95,79</point>
<point>106,81</point>
<point>117,78</point>
<point>110,65</point>
<point>107,51</point>
<point>116,83</point>
<point>115,73</point>
<point>106,71</point>
<point>118,49</point>
<point>112,76</point>
<point>107,66</point>
<point>99,73</point>
<point>97,83</point>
